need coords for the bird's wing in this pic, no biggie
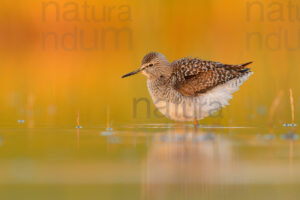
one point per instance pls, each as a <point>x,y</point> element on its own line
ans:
<point>195,76</point>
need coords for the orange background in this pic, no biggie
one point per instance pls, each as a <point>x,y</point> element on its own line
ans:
<point>48,87</point>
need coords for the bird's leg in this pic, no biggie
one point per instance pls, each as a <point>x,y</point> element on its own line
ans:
<point>195,122</point>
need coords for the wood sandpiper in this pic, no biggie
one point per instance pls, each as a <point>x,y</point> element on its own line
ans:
<point>190,88</point>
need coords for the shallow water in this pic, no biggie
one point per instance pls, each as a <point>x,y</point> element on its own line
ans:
<point>149,161</point>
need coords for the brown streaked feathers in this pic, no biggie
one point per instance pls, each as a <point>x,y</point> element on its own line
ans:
<point>196,76</point>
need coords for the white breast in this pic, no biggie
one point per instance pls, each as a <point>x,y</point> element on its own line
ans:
<point>190,108</point>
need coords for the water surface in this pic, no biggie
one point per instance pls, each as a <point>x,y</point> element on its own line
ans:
<point>149,161</point>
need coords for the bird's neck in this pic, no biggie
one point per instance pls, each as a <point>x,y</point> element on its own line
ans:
<point>159,88</point>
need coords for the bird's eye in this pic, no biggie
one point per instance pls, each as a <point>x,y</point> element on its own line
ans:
<point>150,65</point>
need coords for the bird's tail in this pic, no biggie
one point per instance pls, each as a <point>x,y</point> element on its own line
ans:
<point>239,68</point>
<point>242,67</point>
<point>245,64</point>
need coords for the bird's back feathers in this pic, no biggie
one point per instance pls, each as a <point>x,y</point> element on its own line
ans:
<point>195,76</point>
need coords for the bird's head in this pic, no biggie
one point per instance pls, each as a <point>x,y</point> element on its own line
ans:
<point>154,65</point>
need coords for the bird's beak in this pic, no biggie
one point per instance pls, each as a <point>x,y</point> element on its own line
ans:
<point>132,73</point>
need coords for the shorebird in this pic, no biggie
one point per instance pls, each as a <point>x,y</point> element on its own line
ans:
<point>190,89</point>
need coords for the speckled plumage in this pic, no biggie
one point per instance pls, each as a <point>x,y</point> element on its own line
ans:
<point>190,88</point>
<point>195,76</point>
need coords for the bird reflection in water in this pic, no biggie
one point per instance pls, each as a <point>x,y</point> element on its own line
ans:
<point>180,159</point>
